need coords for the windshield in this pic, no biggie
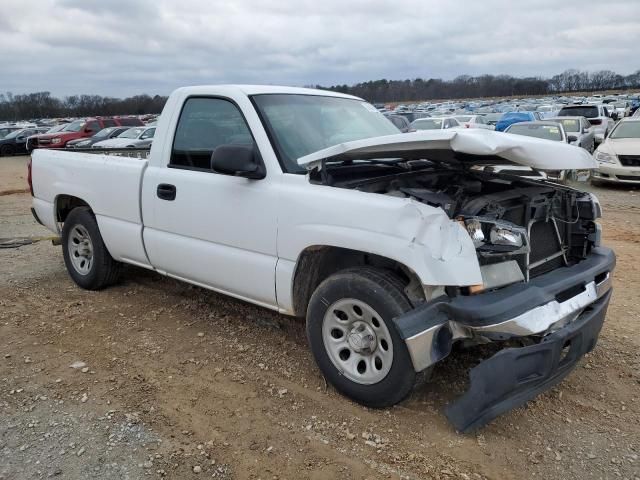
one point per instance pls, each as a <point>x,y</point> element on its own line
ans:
<point>131,133</point>
<point>15,133</point>
<point>589,112</point>
<point>105,132</point>
<point>570,124</point>
<point>626,130</point>
<point>57,128</point>
<point>303,124</point>
<point>5,131</point>
<point>428,124</point>
<point>548,132</point>
<point>464,119</point>
<point>74,126</point>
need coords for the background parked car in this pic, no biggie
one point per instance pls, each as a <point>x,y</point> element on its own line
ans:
<point>510,118</point>
<point>579,131</point>
<point>401,122</point>
<point>598,116</point>
<point>619,155</point>
<point>83,128</point>
<point>539,129</point>
<point>473,121</point>
<point>15,143</point>
<point>136,137</point>
<point>34,138</point>
<point>546,130</point>
<point>104,134</point>
<point>435,123</point>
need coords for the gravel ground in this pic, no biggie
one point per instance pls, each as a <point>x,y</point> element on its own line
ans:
<point>155,378</point>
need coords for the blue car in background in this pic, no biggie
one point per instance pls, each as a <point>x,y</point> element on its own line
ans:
<point>510,118</point>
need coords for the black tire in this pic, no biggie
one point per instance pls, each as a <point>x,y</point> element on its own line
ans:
<point>7,151</point>
<point>381,290</point>
<point>104,269</point>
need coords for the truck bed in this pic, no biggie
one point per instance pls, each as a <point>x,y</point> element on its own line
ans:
<point>108,181</point>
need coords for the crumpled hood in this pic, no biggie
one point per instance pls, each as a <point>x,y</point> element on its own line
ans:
<point>469,146</point>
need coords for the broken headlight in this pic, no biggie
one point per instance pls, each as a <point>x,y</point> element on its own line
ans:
<point>495,235</point>
<point>505,236</point>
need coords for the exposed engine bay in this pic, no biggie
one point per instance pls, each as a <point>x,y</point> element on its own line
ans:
<point>538,225</point>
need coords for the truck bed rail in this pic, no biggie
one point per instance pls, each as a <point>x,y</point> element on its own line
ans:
<point>142,153</point>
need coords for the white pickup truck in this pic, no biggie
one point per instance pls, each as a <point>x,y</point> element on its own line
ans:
<point>390,245</point>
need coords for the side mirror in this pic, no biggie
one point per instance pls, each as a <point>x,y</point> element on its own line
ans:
<point>572,138</point>
<point>21,138</point>
<point>238,160</point>
<point>88,130</point>
<point>614,115</point>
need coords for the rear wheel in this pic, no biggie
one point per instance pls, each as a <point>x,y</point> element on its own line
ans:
<point>85,255</point>
<point>354,339</point>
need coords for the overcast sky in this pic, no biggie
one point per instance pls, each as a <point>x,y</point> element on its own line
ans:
<point>125,47</point>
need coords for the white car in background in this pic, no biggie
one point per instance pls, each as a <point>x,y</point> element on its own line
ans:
<point>474,121</point>
<point>435,123</point>
<point>618,156</point>
<point>135,137</point>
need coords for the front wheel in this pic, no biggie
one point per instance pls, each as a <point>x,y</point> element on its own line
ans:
<point>353,337</point>
<point>7,151</point>
<point>85,255</point>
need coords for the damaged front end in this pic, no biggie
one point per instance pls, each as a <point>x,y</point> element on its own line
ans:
<point>545,278</point>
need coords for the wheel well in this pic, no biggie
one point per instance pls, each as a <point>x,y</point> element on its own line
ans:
<point>66,203</point>
<point>316,263</point>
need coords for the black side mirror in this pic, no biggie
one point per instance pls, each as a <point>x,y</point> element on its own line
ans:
<point>614,115</point>
<point>572,138</point>
<point>238,160</point>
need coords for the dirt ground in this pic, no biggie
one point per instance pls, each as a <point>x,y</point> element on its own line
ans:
<point>173,381</point>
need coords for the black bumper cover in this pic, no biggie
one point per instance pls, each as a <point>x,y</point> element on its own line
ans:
<point>508,302</point>
<point>514,376</point>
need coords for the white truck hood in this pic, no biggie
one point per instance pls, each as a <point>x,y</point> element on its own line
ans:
<point>460,145</point>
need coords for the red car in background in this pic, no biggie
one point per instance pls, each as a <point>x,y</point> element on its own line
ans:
<point>82,128</point>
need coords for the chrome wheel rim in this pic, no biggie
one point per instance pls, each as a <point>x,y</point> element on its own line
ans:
<point>80,249</point>
<point>357,341</point>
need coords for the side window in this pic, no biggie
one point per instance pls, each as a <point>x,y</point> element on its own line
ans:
<point>204,124</point>
<point>108,122</point>
<point>480,120</point>
<point>148,134</point>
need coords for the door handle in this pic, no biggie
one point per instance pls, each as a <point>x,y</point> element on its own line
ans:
<point>166,191</point>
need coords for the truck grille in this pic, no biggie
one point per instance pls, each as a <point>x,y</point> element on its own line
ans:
<point>546,251</point>
<point>629,160</point>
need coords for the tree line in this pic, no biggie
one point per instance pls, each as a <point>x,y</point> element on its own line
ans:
<point>465,86</point>
<point>43,105</point>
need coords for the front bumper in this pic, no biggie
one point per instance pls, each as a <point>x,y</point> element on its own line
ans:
<point>539,308</point>
<point>514,376</point>
<point>617,173</point>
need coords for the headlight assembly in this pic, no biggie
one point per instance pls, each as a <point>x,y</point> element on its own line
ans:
<point>605,157</point>
<point>496,236</point>
<point>56,140</point>
<point>505,236</point>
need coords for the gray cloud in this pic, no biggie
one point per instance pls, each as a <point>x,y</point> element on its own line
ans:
<point>120,47</point>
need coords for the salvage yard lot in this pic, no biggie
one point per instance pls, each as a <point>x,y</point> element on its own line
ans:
<point>178,377</point>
